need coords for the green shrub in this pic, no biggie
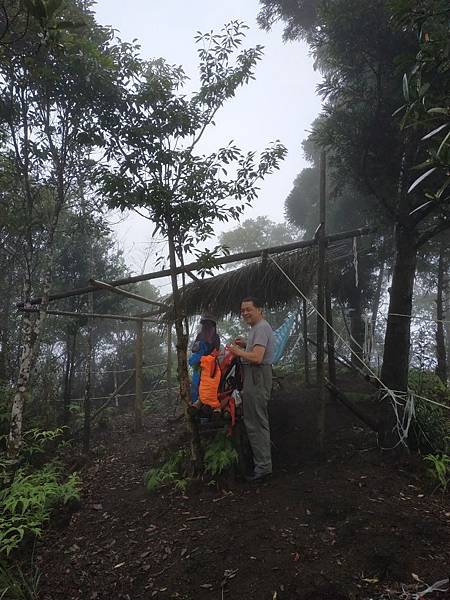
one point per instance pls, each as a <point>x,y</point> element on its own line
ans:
<point>428,384</point>
<point>430,429</point>
<point>220,455</point>
<point>27,502</point>
<point>440,469</point>
<point>169,473</point>
<point>37,441</point>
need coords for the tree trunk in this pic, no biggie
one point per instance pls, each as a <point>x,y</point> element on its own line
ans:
<point>68,373</point>
<point>88,382</point>
<point>138,398</point>
<point>181,346</point>
<point>441,368</point>
<point>33,326</point>
<point>394,371</point>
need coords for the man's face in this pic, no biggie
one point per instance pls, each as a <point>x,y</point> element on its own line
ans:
<point>250,313</point>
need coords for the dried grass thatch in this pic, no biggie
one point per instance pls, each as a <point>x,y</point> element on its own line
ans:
<point>222,294</point>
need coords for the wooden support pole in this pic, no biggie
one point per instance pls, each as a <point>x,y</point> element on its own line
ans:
<point>353,407</point>
<point>67,313</point>
<point>117,290</point>
<point>88,384</point>
<point>321,273</point>
<point>330,333</point>
<point>320,373</point>
<point>138,400</point>
<point>198,265</point>
<point>169,363</point>
<point>305,339</point>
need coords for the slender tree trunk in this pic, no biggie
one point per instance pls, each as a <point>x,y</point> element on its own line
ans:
<point>68,374</point>
<point>32,327</point>
<point>5,291</point>
<point>169,363</point>
<point>320,367</point>
<point>181,346</point>
<point>138,398</point>
<point>88,383</point>
<point>394,371</point>
<point>441,368</point>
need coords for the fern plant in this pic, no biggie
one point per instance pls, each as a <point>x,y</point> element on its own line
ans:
<point>220,455</point>
<point>170,473</point>
<point>27,502</point>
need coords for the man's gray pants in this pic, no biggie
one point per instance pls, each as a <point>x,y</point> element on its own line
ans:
<point>256,394</point>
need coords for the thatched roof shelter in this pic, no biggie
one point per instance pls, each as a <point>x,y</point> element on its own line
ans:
<point>222,294</point>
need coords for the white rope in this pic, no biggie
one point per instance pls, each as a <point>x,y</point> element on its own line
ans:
<point>124,370</point>
<point>436,587</point>
<point>355,261</point>
<point>408,407</point>
<point>419,318</point>
<point>123,395</point>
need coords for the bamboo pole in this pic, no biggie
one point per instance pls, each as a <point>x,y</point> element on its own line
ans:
<point>138,399</point>
<point>320,373</point>
<point>305,340</point>
<point>117,290</point>
<point>195,266</point>
<point>88,384</point>
<point>330,333</point>
<point>169,363</point>
<point>66,313</point>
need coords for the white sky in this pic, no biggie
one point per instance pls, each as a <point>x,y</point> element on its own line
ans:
<point>280,104</point>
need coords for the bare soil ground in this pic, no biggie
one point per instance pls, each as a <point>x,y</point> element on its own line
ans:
<point>350,524</point>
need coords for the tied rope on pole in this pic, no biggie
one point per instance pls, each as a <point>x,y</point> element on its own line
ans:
<point>402,425</point>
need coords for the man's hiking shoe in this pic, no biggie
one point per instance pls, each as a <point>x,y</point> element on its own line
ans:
<point>257,477</point>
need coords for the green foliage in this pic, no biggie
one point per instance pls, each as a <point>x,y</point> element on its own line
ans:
<point>27,502</point>
<point>430,427</point>
<point>169,473</point>
<point>36,441</point>
<point>426,90</point>
<point>220,455</point>
<point>440,469</point>
<point>152,144</point>
<point>428,384</point>
<point>16,584</point>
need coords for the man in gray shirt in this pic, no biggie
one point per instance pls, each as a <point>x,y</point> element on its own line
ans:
<point>257,361</point>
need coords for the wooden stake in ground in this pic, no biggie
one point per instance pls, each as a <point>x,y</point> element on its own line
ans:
<point>330,333</point>
<point>88,383</point>
<point>305,339</point>
<point>169,363</point>
<point>138,399</point>
<point>320,303</point>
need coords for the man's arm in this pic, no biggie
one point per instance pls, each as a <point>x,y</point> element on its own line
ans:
<point>255,355</point>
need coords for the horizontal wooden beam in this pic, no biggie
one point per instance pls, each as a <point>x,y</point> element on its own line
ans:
<point>121,292</point>
<point>195,266</point>
<point>66,313</point>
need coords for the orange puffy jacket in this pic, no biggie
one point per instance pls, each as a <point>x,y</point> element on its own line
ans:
<point>209,381</point>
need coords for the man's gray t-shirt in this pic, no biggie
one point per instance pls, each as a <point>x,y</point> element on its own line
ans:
<point>261,334</point>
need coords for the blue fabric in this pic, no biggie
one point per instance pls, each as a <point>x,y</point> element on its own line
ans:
<point>281,337</point>
<point>200,348</point>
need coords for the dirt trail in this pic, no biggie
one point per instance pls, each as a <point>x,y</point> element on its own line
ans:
<point>349,525</point>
